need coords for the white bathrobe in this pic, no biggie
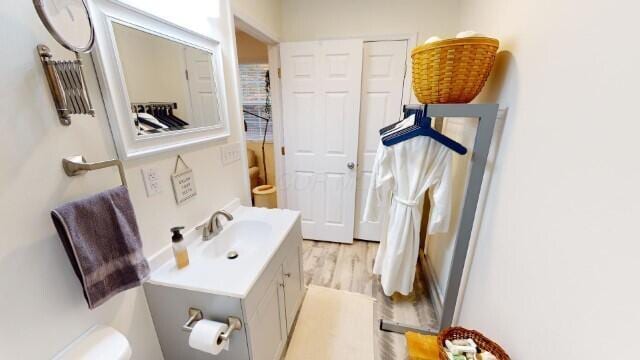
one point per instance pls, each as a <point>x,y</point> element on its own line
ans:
<point>404,172</point>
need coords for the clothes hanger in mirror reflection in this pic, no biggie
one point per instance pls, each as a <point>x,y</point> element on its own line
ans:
<point>169,111</point>
<point>161,115</point>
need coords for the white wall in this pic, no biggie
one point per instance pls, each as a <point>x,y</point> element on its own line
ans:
<point>265,15</point>
<point>41,307</point>
<point>314,20</point>
<point>555,275</point>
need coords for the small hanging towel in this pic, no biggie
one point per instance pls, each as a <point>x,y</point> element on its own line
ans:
<point>100,235</point>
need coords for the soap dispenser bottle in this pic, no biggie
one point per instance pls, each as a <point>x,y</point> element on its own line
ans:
<point>179,247</point>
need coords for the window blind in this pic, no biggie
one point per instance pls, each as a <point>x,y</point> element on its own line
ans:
<point>254,96</point>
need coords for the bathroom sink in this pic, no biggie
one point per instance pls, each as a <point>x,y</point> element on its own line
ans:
<point>231,262</point>
<point>245,238</point>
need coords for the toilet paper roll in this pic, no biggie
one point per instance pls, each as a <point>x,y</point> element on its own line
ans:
<point>205,334</point>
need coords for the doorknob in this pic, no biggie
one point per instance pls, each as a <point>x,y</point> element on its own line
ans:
<point>351,165</point>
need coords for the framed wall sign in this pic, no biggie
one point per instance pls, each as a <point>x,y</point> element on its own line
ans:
<point>183,181</point>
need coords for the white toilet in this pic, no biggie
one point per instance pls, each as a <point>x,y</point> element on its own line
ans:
<point>98,343</point>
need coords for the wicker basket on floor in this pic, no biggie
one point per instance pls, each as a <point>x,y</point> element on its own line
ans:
<point>482,341</point>
<point>452,70</point>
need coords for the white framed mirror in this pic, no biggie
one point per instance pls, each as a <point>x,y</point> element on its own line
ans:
<point>163,85</point>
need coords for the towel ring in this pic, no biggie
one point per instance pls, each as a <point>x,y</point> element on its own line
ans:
<point>78,165</point>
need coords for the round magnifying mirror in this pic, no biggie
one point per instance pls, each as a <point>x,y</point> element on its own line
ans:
<point>68,21</point>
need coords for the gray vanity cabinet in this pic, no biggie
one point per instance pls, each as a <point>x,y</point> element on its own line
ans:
<point>267,311</point>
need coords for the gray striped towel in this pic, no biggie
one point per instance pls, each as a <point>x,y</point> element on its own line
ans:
<point>101,238</point>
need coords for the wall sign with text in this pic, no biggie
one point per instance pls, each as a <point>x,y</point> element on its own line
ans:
<point>184,185</point>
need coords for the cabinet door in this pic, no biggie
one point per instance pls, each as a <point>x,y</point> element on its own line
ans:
<point>267,326</point>
<point>293,285</point>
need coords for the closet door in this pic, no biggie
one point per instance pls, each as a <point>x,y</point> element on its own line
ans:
<point>383,76</point>
<point>321,83</point>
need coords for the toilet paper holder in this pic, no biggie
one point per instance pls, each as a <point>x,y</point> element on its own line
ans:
<point>195,315</point>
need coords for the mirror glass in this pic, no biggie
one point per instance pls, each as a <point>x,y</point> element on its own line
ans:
<point>68,21</point>
<point>171,85</point>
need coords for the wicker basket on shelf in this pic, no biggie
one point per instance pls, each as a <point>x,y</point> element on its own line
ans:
<point>482,341</point>
<point>452,70</point>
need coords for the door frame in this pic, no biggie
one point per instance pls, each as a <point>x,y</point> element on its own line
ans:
<point>254,28</point>
<point>278,125</point>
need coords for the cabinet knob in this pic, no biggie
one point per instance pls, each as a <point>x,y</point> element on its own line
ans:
<point>281,284</point>
<point>288,274</point>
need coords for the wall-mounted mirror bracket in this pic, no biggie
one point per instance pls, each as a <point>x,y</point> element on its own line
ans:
<point>67,84</point>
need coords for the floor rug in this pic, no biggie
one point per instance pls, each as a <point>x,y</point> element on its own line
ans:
<point>333,325</point>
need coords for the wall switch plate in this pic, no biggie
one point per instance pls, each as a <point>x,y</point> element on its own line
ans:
<point>230,153</point>
<point>151,178</point>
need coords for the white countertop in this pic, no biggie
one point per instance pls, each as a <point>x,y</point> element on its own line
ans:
<point>255,233</point>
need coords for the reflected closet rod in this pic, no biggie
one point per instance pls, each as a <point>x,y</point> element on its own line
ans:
<point>172,104</point>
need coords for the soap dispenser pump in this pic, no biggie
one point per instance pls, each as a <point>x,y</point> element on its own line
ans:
<point>179,247</point>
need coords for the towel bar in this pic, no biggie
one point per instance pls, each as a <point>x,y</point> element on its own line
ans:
<point>195,315</point>
<point>78,165</point>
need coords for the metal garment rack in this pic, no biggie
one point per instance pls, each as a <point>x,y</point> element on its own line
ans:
<point>486,115</point>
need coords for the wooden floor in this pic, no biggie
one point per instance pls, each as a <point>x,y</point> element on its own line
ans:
<point>349,267</point>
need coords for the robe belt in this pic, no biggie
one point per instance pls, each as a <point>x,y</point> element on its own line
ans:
<point>405,202</point>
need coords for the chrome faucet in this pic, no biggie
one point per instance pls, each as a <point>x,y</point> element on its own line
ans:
<point>213,227</point>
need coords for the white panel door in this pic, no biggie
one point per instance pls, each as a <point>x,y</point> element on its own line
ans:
<point>204,102</point>
<point>321,104</point>
<point>383,75</point>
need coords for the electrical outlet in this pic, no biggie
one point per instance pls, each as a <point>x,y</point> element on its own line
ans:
<point>151,179</point>
<point>230,153</point>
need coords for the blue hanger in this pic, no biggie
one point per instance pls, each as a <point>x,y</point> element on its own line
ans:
<point>421,127</point>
